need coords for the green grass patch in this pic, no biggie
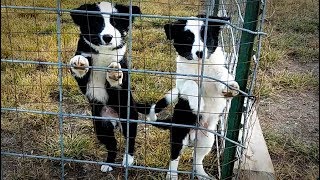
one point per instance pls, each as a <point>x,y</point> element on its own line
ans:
<point>296,81</point>
<point>269,84</point>
<point>31,35</point>
<point>292,158</point>
<point>270,55</point>
<point>292,32</point>
<point>75,146</point>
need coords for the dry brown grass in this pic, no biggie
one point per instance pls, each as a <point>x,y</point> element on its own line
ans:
<point>292,158</point>
<point>289,69</point>
<point>31,35</point>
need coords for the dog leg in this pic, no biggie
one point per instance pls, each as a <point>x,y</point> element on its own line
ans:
<point>170,97</point>
<point>203,147</point>
<point>173,166</point>
<point>79,66</point>
<point>190,91</point>
<point>115,77</point>
<point>105,134</point>
<point>177,147</point>
<point>132,139</point>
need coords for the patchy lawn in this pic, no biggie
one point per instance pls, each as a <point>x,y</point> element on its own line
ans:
<point>289,88</point>
<point>288,91</point>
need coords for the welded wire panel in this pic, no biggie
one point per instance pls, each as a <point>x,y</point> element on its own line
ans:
<point>46,122</point>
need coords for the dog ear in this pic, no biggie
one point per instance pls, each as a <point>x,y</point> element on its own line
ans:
<point>214,29</point>
<point>126,9</point>
<point>173,29</point>
<point>219,18</point>
<point>81,17</point>
<point>136,10</point>
<point>169,29</point>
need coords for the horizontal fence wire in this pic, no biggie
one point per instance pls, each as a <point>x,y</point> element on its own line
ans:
<point>131,70</point>
<point>230,43</point>
<point>135,15</point>
<point>116,119</point>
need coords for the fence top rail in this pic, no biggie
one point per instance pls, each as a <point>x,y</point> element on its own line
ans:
<point>58,10</point>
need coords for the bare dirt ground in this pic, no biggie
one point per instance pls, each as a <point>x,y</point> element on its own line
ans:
<point>290,123</point>
<point>289,110</point>
<point>293,112</point>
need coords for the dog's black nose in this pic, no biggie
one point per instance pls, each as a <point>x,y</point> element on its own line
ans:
<point>107,38</point>
<point>199,54</point>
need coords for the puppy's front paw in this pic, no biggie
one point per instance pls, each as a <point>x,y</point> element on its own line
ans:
<point>232,91</point>
<point>79,65</point>
<point>115,77</point>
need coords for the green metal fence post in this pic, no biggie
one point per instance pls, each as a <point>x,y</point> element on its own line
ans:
<point>242,73</point>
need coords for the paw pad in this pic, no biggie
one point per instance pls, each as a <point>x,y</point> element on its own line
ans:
<point>79,65</point>
<point>232,91</point>
<point>115,77</point>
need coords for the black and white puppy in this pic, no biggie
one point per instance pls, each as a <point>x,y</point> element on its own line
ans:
<point>188,39</point>
<point>102,44</point>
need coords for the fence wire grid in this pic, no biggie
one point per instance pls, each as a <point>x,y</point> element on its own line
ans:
<point>46,124</point>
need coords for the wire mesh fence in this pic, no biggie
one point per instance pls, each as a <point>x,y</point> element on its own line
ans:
<point>46,122</point>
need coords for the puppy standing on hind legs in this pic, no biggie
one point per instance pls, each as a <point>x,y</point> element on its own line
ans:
<point>188,37</point>
<point>102,44</point>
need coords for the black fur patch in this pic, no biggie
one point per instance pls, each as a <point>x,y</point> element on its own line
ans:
<point>183,39</point>
<point>91,25</point>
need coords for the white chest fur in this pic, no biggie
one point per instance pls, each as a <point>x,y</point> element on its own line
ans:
<point>213,99</point>
<point>96,87</point>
